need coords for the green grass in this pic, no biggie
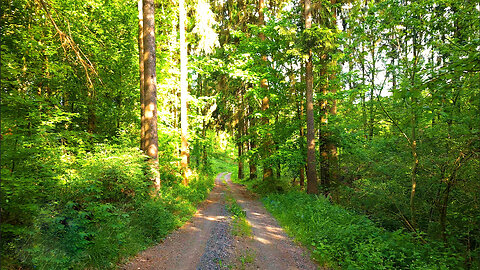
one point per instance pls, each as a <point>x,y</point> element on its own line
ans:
<point>340,239</point>
<point>223,163</point>
<point>240,225</point>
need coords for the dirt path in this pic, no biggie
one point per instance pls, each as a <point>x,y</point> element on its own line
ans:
<point>186,248</point>
<point>206,242</point>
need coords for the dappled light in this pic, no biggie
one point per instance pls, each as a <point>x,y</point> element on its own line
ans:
<point>181,134</point>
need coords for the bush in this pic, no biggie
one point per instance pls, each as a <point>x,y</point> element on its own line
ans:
<point>91,211</point>
<point>153,220</point>
<point>342,239</point>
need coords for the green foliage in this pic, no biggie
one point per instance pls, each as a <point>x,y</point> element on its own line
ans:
<point>346,240</point>
<point>93,212</point>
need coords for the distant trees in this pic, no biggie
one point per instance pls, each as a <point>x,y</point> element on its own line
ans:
<point>388,94</point>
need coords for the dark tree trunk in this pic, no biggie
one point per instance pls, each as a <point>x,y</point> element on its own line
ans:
<point>141,73</point>
<point>240,128</point>
<point>267,144</point>
<point>184,93</point>
<point>311,163</point>
<point>251,146</point>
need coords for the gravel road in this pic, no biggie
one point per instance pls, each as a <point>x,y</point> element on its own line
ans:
<point>205,242</point>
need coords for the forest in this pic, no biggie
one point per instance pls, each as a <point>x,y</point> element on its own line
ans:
<point>356,121</point>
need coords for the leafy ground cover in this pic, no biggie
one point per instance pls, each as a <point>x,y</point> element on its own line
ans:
<point>92,210</point>
<point>342,239</point>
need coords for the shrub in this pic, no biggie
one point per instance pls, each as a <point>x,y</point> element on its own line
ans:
<point>342,239</point>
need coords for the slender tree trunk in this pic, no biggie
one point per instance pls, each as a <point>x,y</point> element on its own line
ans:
<point>183,94</point>
<point>413,134</point>
<point>150,84</point>
<point>239,136</point>
<point>251,146</point>
<point>311,163</point>
<point>142,77</point>
<point>331,147</point>
<point>372,90</point>
<point>413,173</point>
<point>267,144</point>
<point>300,108</point>
<point>302,135</point>
<point>362,94</point>
<point>323,134</point>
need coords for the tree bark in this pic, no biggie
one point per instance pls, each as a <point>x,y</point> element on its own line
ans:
<point>251,146</point>
<point>183,94</point>
<point>141,74</point>
<point>150,84</point>
<point>373,72</point>
<point>267,144</point>
<point>239,136</point>
<point>331,147</point>
<point>413,105</point>
<point>311,163</point>
<point>323,134</point>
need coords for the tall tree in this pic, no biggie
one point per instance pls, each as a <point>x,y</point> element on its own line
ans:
<point>150,83</point>
<point>267,143</point>
<point>183,93</point>
<point>311,163</point>
<point>142,75</point>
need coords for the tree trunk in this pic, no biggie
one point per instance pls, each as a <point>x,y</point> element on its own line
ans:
<point>267,144</point>
<point>331,147</point>
<point>239,136</point>
<point>311,163</point>
<point>183,94</point>
<point>141,73</point>
<point>323,134</point>
<point>372,92</point>
<point>414,135</point>
<point>362,95</point>
<point>251,146</point>
<point>150,85</point>
<point>300,110</point>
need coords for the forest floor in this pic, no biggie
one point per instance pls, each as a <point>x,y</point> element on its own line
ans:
<point>206,241</point>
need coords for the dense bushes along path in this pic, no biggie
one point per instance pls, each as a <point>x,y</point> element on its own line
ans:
<point>206,241</point>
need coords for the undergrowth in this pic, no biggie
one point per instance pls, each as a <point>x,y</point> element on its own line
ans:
<point>91,210</point>
<point>341,239</point>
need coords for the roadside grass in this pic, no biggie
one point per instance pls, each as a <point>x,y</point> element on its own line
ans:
<point>341,239</point>
<point>246,258</point>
